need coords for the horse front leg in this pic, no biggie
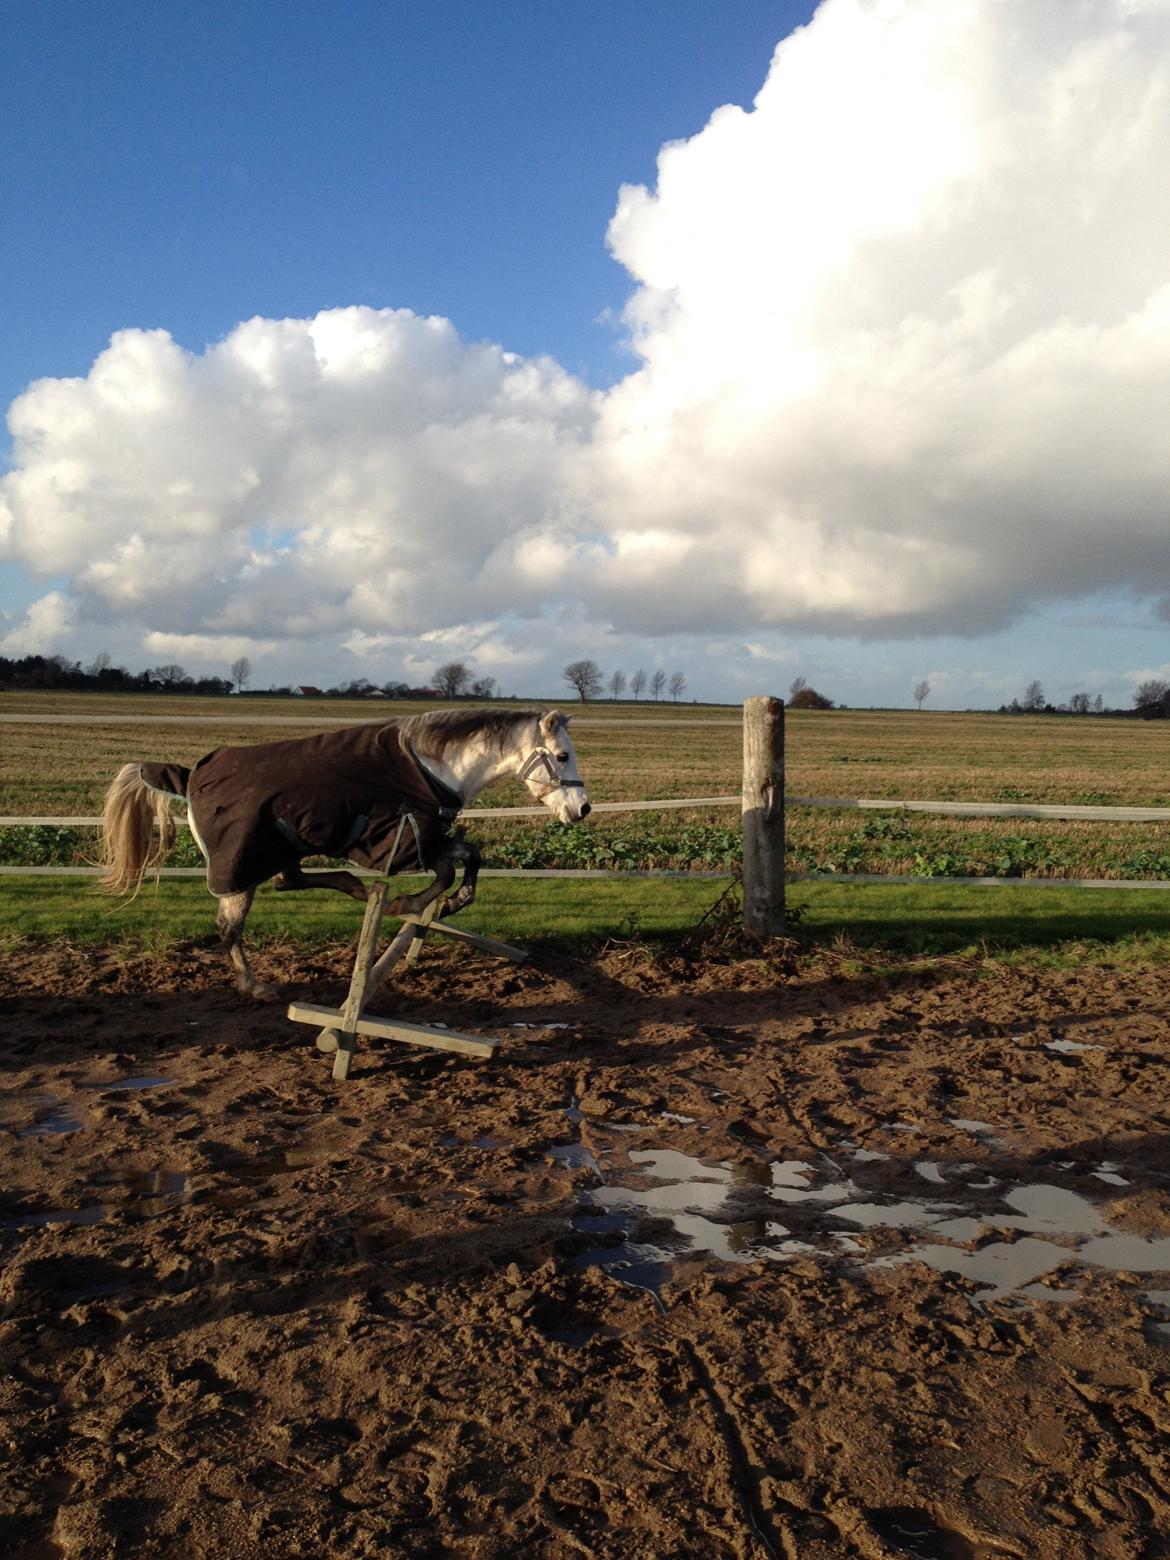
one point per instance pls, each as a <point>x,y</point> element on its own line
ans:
<point>415,904</point>
<point>465,894</point>
<point>229,921</point>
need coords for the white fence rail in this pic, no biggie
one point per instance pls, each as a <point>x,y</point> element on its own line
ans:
<point>11,718</point>
<point>1069,811</point>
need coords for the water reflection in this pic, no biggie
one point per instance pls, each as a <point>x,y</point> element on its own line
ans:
<point>656,1206</point>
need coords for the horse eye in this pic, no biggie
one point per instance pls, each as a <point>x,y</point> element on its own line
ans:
<point>562,758</point>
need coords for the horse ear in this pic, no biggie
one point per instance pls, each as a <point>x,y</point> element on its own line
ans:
<point>550,720</point>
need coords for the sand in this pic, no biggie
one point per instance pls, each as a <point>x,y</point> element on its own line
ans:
<point>716,1257</point>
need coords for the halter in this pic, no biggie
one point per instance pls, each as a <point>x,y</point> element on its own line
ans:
<point>543,758</point>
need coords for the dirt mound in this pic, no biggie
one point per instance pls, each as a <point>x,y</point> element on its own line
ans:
<point>713,1258</point>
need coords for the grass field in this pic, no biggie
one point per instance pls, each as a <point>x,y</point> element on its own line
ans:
<point>874,753</point>
<point>869,923</point>
<point>63,769</point>
<point>182,908</point>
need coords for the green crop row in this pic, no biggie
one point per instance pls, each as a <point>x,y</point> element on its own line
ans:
<point>819,841</point>
<point>695,846</point>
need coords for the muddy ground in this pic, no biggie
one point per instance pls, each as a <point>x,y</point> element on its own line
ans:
<point>714,1258</point>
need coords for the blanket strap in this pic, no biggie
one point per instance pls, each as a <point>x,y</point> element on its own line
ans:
<point>407,817</point>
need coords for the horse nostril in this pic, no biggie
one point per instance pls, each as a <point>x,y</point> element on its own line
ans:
<point>586,810</point>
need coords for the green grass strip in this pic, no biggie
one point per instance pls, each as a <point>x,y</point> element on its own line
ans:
<point>178,909</point>
<point>1047,926</point>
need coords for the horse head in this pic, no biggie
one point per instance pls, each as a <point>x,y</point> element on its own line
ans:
<point>549,770</point>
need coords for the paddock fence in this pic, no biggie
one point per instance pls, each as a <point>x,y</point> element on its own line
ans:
<point>763,803</point>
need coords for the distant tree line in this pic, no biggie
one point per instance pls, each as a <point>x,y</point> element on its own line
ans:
<point>588,680</point>
<point>101,676</point>
<point>455,680</point>
<point>1151,701</point>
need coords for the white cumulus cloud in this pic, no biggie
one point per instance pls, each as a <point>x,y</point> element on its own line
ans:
<point>905,325</point>
<point>360,470</point>
<point>48,621</point>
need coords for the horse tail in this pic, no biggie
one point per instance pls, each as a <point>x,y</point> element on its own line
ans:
<point>138,829</point>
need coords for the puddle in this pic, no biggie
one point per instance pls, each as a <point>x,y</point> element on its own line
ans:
<point>1160,1300</point>
<point>92,1213</point>
<point>53,1117</point>
<point>576,1156</point>
<point>149,1191</point>
<point>656,1207</point>
<point>119,1084</point>
<point>1067,1047</point>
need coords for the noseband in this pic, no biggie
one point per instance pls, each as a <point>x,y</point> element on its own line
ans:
<point>542,758</point>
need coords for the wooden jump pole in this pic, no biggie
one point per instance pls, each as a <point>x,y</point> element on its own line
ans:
<point>763,817</point>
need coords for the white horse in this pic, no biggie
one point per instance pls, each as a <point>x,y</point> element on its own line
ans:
<point>384,796</point>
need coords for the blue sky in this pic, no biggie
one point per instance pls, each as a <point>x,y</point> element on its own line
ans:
<point>191,166</point>
<point>188,168</point>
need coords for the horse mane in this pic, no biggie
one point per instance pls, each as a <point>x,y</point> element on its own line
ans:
<point>438,730</point>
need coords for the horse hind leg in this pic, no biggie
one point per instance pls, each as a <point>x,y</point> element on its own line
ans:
<point>292,879</point>
<point>229,921</point>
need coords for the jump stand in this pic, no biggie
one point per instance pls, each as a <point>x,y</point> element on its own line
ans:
<point>343,1025</point>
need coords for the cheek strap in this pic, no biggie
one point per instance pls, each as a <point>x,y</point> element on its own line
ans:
<point>542,758</point>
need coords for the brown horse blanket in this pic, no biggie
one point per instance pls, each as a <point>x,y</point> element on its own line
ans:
<point>358,793</point>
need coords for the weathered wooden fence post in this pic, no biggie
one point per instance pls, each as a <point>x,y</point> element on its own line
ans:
<point>763,817</point>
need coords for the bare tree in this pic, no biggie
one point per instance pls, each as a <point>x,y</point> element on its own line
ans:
<point>617,684</point>
<point>100,663</point>
<point>921,691</point>
<point>657,683</point>
<point>638,684</point>
<point>483,688</point>
<point>170,675</point>
<point>1034,699</point>
<point>1098,705</point>
<point>1152,691</point>
<point>451,678</point>
<point>677,683</point>
<point>1080,704</point>
<point>797,685</point>
<point>241,672</point>
<point>585,676</point>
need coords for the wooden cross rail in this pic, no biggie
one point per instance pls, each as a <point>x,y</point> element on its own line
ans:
<point>342,1026</point>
